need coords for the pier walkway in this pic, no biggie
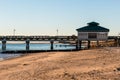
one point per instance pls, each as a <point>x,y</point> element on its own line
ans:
<point>27,40</point>
<point>39,38</point>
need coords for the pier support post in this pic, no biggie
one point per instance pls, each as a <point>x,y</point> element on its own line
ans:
<point>88,44</point>
<point>119,42</point>
<point>4,44</point>
<point>80,43</point>
<point>77,45</point>
<point>27,44</point>
<point>51,44</point>
<point>115,42</point>
<point>97,43</point>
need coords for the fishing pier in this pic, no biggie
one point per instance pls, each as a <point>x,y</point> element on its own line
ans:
<point>89,33</point>
<point>51,39</point>
<point>27,40</point>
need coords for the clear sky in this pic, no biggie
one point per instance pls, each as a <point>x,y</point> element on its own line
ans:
<point>44,17</point>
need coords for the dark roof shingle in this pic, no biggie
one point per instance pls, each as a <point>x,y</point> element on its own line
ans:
<point>92,27</point>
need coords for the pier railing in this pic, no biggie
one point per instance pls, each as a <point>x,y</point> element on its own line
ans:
<point>39,38</point>
<point>45,38</point>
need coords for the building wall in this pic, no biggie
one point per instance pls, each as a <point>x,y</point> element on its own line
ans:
<point>102,35</point>
<point>82,35</point>
<point>86,35</point>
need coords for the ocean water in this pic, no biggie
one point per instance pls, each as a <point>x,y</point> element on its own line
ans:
<point>38,46</point>
<point>33,46</point>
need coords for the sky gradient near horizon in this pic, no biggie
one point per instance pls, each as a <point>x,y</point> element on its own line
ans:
<point>44,17</point>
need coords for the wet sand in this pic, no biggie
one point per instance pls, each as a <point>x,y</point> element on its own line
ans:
<point>94,64</point>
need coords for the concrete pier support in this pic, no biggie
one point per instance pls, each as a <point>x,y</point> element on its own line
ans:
<point>51,42</point>
<point>119,42</point>
<point>88,44</point>
<point>80,44</point>
<point>97,43</point>
<point>27,44</point>
<point>77,45</point>
<point>115,42</point>
<point>4,44</point>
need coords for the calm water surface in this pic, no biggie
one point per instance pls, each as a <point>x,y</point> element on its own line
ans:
<point>33,46</point>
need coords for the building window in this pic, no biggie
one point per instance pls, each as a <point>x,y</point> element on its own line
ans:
<point>92,35</point>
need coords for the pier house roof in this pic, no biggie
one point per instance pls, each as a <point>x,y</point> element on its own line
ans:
<point>92,27</point>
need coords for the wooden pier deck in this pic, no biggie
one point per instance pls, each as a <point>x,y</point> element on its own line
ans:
<point>39,38</point>
<point>51,39</point>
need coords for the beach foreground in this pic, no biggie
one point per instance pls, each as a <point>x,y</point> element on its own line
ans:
<point>95,64</point>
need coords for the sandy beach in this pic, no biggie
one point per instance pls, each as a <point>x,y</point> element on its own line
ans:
<point>94,64</point>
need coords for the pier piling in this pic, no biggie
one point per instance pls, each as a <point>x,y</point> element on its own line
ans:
<point>51,44</point>
<point>4,44</point>
<point>27,44</point>
<point>88,44</point>
<point>80,43</point>
<point>97,43</point>
<point>119,41</point>
<point>77,45</point>
<point>115,42</point>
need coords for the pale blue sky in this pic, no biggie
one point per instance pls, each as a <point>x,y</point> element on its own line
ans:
<point>44,17</point>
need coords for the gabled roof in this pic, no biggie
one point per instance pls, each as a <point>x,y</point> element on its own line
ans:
<point>92,27</point>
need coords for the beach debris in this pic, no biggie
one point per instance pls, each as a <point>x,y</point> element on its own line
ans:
<point>118,69</point>
<point>25,64</point>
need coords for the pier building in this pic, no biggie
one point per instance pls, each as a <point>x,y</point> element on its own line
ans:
<point>92,32</point>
